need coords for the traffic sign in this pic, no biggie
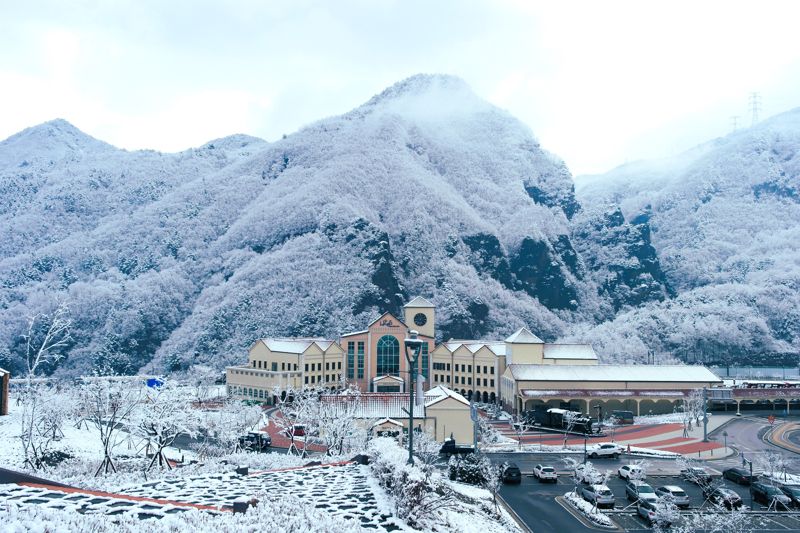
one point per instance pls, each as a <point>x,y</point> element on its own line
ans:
<point>771,419</point>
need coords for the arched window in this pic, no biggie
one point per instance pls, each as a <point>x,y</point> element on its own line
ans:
<point>388,356</point>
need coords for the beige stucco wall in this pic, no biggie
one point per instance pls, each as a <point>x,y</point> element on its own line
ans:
<point>430,313</point>
<point>449,416</point>
<point>525,354</point>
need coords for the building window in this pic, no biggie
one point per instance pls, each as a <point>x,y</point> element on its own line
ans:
<point>283,366</point>
<point>351,360</point>
<point>469,381</point>
<point>274,367</point>
<point>388,356</point>
<point>360,359</point>
<point>307,381</point>
<point>295,366</point>
<point>448,367</point>
<point>491,383</point>
<point>327,366</point>
<point>338,365</point>
<point>484,370</point>
<point>448,379</point>
<point>491,369</point>
<point>306,367</point>
<point>469,369</point>
<point>485,381</point>
<point>254,365</point>
<point>425,369</point>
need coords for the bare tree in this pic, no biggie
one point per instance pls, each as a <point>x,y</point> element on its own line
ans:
<point>107,406</point>
<point>46,337</point>
<point>226,423</point>
<point>492,478</point>
<point>520,425</point>
<point>164,412</point>
<point>611,422</point>
<point>694,407</point>
<point>337,417</point>
<point>568,421</point>
<point>298,409</point>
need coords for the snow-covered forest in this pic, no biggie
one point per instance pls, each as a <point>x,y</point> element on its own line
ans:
<point>171,260</point>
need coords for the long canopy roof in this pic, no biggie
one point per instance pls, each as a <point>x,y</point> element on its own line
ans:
<point>615,373</point>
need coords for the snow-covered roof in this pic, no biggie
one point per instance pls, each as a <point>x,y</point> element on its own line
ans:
<point>419,301</point>
<point>3,371</point>
<point>376,405</point>
<point>524,336</point>
<point>636,373</point>
<point>385,377</point>
<point>362,332</point>
<point>439,393</point>
<point>296,345</point>
<point>387,421</point>
<point>497,347</point>
<point>569,351</point>
<point>383,315</point>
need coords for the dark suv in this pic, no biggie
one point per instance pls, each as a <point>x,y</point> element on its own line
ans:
<point>512,474</point>
<point>770,496</point>
<point>739,475</point>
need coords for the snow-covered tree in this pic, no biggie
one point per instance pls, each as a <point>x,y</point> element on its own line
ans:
<point>224,424</point>
<point>164,412</point>
<point>48,335</point>
<point>107,405</point>
<point>492,478</point>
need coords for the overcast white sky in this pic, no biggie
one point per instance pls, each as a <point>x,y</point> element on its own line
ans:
<point>598,82</point>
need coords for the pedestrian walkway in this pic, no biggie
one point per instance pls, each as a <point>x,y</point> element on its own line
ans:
<point>668,437</point>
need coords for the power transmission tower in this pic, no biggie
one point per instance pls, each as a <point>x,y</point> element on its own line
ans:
<point>755,106</point>
<point>735,122</point>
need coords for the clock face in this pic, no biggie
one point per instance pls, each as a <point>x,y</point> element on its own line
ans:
<point>420,319</point>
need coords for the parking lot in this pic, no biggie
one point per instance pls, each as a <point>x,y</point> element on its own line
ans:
<point>535,503</point>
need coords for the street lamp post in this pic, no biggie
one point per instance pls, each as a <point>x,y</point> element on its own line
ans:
<point>725,436</point>
<point>599,416</point>
<point>413,348</point>
<point>744,463</point>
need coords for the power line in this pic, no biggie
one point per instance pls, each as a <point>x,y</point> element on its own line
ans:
<point>755,106</point>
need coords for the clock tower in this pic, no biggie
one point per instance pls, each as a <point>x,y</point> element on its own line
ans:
<point>420,315</point>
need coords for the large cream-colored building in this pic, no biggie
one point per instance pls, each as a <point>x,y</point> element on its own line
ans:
<point>519,372</point>
<point>281,364</point>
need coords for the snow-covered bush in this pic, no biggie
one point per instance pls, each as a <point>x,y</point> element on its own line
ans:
<point>588,510</point>
<point>417,493</point>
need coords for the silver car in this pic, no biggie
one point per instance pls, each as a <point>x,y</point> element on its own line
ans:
<point>675,494</point>
<point>599,495</point>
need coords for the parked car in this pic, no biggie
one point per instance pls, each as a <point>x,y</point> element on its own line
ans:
<point>769,495</point>
<point>545,473</point>
<point>624,417</point>
<point>599,495</point>
<point>512,474</point>
<point>739,476</point>
<point>639,490</point>
<point>675,494</point>
<point>649,510</point>
<point>793,492</point>
<point>696,475</point>
<point>723,496</point>
<point>605,449</point>
<point>631,472</point>
<point>255,441</point>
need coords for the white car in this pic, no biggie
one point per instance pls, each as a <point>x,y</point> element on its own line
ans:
<point>631,472</point>
<point>545,473</point>
<point>605,449</point>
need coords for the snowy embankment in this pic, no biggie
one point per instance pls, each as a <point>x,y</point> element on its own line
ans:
<point>588,510</point>
<point>513,447</point>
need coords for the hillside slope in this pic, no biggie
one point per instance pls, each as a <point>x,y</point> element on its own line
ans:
<point>724,219</point>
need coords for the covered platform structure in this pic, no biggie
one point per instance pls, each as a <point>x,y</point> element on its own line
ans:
<point>642,389</point>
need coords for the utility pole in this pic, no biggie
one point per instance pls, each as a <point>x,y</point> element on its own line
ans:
<point>755,106</point>
<point>705,414</point>
<point>735,122</point>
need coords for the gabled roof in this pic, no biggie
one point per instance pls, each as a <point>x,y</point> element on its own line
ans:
<point>387,376</point>
<point>295,345</point>
<point>391,421</point>
<point>614,373</point>
<point>496,347</point>
<point>440,393</point>
<point>569,351</point>
<point>524,336</point>
<point>419,301</point>
<point>383,315</point>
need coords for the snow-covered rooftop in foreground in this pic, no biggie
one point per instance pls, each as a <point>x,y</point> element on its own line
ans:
<point>439,393</point>
<point>637,373</point>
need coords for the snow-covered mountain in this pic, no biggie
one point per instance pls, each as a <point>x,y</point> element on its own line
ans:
<point>425,189</point>
<point>725,222</point>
